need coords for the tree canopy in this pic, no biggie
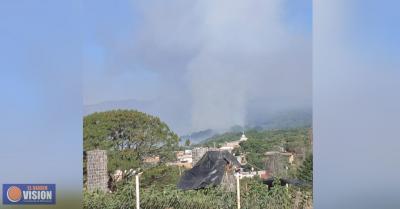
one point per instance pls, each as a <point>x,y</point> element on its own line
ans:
<point>187,142</point>
<point>129,136</point>
<point>296,140</point>
<point>305,171</point>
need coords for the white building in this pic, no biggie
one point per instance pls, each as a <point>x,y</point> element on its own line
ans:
<point>243,138</point>
<point>229,146</point>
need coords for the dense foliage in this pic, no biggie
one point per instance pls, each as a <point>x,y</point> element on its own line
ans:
<point>132,136</point>
<point>160,176</point>
<point>260,141</point>
<point>254,195</point>
<point>129,137</point>
<point>305,171</point>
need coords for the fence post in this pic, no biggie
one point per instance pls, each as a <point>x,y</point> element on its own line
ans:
<point>238,190</point>
<point>137,191</point>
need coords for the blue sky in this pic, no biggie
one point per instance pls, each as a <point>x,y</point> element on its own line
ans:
<point>376,24</point>
<point>41,100</point>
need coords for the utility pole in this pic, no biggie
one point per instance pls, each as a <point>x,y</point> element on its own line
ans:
<point>238,189</point>
<point>137,190</point>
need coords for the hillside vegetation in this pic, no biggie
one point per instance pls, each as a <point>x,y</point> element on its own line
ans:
<point>131,136</point>
<point>254,195</point>
<point>295,140</point>
<point>289,119</point>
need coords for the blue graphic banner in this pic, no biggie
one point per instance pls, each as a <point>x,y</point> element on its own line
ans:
<point>29,194</point>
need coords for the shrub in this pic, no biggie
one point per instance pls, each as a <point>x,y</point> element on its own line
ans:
<point>254,195</point>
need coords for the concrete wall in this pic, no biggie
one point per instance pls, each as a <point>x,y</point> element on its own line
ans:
<point>198,152</point>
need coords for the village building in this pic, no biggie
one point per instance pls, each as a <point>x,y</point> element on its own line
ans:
<point>229,146</point>
<point>277,162</point>
<point>189,158</point>
<point>184,156</point>
<point>183,159</point>
<point>243,138</point>
<point>198,152</point>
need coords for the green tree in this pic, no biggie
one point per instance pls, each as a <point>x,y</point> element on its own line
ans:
<point>160,176</point>
<point>187,142</point>
<point>305,171</point>
<point>295,140</point>
<point>129,137</point>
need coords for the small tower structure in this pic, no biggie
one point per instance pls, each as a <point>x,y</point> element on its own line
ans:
<point>243,138</point>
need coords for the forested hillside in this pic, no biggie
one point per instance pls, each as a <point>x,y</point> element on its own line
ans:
<point>292,140</point>
<point>282,120</point>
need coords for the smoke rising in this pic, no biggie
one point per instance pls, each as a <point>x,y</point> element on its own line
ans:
<point>220,63</point>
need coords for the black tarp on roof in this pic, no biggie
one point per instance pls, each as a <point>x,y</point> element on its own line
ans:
<point>208,171</point>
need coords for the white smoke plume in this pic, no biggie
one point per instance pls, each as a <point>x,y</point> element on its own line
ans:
<point>221,63</point>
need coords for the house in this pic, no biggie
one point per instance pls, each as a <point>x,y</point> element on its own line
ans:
<point>229,146</point>
<point>183,159</point>
<point>179,164</point>
<point>184,156</point>
<point>277,162</point>
<point>214,168</point>
<point>198,152</point>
